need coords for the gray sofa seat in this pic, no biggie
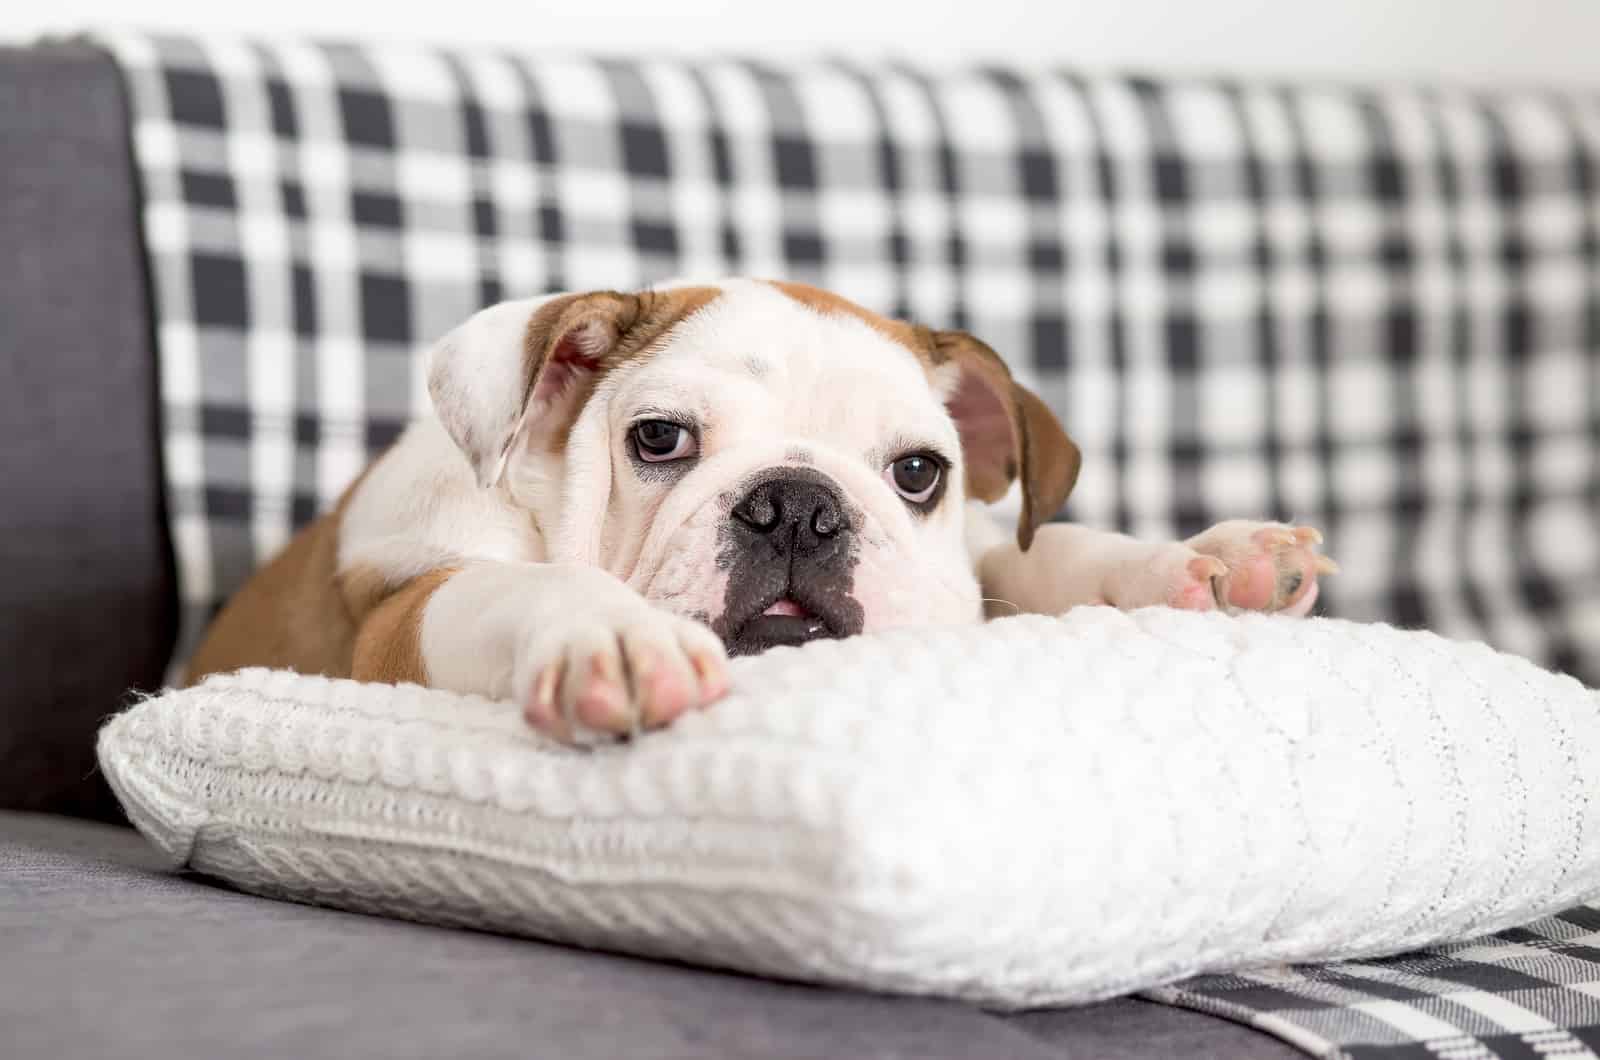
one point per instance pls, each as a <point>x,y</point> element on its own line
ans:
<point>104,954</point>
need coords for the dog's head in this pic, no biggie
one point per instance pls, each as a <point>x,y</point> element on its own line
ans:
<point>767,457</point>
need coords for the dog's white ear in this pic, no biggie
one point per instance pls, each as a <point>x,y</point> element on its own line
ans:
<point>1006,431</point>
<point>522,370</point>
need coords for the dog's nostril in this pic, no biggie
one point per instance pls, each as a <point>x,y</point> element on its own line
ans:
<point>758,511</point>
<point>825,521</point>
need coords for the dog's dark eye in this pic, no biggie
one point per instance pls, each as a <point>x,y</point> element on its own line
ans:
<point>660,440</point>
<point>915,476</point>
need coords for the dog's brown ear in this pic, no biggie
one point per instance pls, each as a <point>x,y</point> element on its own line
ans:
<point>521,371</point>
<point>1006,431</point>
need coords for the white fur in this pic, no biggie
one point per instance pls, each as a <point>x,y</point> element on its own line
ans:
<point>420,507</point>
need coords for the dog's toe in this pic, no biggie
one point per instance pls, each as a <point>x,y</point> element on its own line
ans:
<point>1270,567</point>
<point>541,707</point>
<point>609,678</point>
<point>1195,586</point>
<point>602,704</point>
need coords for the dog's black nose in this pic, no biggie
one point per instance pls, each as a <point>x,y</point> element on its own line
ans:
<point>791,508</point>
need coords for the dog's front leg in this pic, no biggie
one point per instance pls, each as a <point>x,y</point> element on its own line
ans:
<point>1235,565</point>
<point>580,651</point>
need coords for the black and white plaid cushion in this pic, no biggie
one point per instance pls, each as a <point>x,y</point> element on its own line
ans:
<point>1378,311</point>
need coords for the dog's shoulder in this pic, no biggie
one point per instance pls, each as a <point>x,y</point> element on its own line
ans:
<point>420,507</point>
<point>414,510</point>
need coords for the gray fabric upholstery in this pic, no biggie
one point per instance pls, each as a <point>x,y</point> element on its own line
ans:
<point>103,954</point>
<point>86,604</point>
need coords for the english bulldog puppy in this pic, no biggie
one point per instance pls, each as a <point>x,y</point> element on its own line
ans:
<point>617,491</point>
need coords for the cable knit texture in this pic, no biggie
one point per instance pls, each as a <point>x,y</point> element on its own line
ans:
<point>1035,811</point>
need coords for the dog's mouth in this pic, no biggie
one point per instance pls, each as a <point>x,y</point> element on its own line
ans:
<point>787,607</point>
<point>785,621</point>
<point>788,618</point>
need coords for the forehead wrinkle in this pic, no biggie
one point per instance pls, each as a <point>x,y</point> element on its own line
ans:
<point>659,395</point>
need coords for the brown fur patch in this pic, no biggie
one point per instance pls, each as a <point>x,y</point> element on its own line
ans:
<point>911,336</point>
<point>389,647</point>
<point>290,613</point>
<point>301,613</point>
<point>362,588</point>
<point>618,326</point>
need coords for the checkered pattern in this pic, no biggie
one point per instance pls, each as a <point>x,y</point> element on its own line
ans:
<point>1532,992</point>
<point>1374,311</point>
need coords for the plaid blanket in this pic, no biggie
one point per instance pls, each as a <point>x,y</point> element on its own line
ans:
<point>1374,311</point>
<point>1532,992</point>
<point>1378,311</point>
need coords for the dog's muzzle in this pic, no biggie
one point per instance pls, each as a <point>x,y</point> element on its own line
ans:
<point>789,546</point>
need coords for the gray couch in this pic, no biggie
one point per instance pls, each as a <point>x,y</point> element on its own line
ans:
<point>101,953</point>
<point>104,955</point>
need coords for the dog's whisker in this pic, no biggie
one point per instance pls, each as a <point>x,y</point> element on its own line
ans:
<point>996,600</point>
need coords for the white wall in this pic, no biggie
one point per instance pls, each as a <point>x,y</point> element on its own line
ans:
<point>1462,40</point>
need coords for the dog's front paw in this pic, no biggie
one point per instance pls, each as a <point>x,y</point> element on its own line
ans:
<point>617,669</point>
<point>1250,566</point>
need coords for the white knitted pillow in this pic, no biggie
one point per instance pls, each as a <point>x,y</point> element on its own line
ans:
<point>1035,811</point>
